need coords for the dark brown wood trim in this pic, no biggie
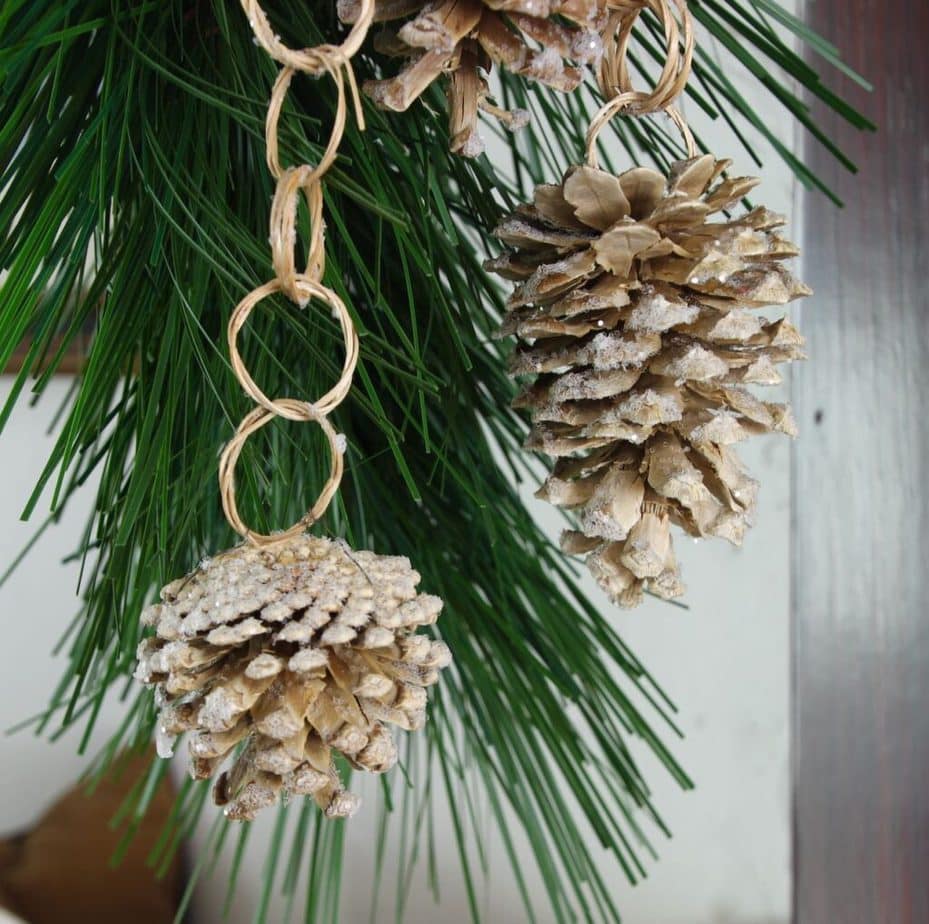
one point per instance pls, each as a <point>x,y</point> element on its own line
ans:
<point>71,363</point>
<point>860,509</point>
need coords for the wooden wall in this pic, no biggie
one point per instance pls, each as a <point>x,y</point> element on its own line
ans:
<point>860,511</point>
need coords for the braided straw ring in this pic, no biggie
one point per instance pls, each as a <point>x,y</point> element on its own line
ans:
<point>276,103</point>
<point>283,231</point>
<point>629,100</point>
<point>254,421</point>
<point>311,289</point>
<point>310,60</point>
<point>614,75</point>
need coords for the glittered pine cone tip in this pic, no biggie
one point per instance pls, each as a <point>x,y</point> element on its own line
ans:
<point>549,41</point>
<point>277,657</point>
<point>635,311</point>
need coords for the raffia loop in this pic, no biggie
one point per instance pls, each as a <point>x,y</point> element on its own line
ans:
<point>254,421</point>
<point>309,60</point>
<point>614,77</point>
<point>276,104</point>
<point>308,288</point>
<point>626,101</point>
<point>292,183</point>
<point>283,232</point>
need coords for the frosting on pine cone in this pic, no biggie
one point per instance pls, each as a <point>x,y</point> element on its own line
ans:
<point>543,40</point>
<point>289,653</point>
<point>634,304</point>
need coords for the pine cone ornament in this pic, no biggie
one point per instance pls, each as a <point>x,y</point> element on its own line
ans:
<point>288,653</point>
<point>544,40</point>
<point>635,312</point>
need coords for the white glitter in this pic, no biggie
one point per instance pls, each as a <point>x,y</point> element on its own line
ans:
<point>164,742</point>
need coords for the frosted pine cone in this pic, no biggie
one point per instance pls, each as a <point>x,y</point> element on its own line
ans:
<point>634,311</point>
<point>291,652</point>
<point>463,38</point>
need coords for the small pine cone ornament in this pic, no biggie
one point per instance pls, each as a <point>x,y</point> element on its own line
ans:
<point>545,40</point>
<point>634,310</point>
<point>285,654</point>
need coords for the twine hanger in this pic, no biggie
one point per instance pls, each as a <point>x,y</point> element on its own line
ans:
<point>300,287</point>
<point>614,78</point>
<point>305,180</point>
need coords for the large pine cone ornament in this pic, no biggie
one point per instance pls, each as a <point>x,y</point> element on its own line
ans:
<point>633,306</point>
<point>544,40</point>
<point>288,653</point>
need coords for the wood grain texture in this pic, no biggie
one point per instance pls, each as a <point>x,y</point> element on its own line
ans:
<point>861,466</point>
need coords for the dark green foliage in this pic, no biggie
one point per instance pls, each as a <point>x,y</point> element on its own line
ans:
<point>135,193</point>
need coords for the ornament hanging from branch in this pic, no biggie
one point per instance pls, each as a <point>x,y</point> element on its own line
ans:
<point>289,649</point>
<point>548,41</point>
<point>293,650</point>
<point>635,307</point>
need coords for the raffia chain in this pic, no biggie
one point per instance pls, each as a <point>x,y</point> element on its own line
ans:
<point>304,180</point>
<point>292,183</point>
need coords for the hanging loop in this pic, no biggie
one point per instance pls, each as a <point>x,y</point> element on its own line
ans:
<point>292,183</point>
<point>619,104</point>
<point>615,80</point>
<point>309,60</point>
<point>308,288</point>
<point>614,77</point>
<point>254,421</point>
